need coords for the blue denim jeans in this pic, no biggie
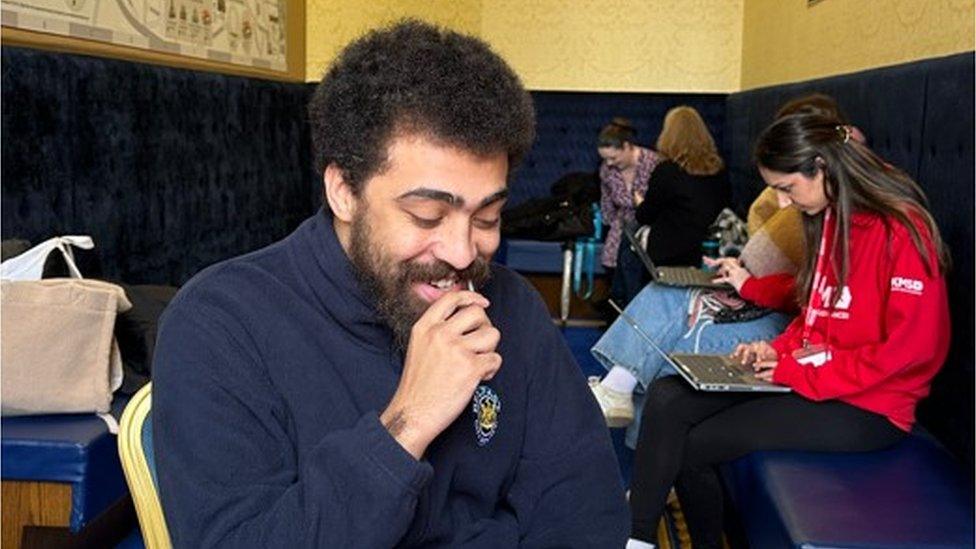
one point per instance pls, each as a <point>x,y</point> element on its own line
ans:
<point>662,313</point>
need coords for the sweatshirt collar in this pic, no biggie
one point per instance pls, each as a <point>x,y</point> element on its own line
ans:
<point>332,280</point>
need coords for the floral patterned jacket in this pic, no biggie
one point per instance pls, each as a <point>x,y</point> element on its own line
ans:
<point>617,203</point>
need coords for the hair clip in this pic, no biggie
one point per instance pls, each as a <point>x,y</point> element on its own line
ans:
<point>846,131</point>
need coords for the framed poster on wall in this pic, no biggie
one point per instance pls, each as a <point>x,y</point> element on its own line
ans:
<point>253,35</point>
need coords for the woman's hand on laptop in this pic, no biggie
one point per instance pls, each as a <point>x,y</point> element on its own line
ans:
<point>761,355</point>
<point>728,270</point>
<point>757,351</point>
<point>764,369</point>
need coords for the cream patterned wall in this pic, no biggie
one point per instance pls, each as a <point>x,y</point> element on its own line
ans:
<point>788,41</point>
<point>667,45</point>
<point>579,45</point>
<point>331,24</point>
<point>619,45</point>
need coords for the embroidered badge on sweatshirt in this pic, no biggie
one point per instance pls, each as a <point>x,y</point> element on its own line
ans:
<point>486,407</point>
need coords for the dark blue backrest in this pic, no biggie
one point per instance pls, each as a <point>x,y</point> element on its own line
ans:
<point>888,105</point>
<point>168,170</point>
<point>568,124</point>
<point>946,172</point>
<point>919,117</point>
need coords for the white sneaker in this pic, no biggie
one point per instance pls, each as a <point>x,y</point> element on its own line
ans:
<point>617,407</point>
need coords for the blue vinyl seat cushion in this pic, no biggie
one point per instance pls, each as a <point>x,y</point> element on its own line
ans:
<point>908,496</point>
<point>76,449</point>
<point>536,256</point>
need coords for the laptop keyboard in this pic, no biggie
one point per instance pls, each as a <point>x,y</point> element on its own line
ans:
<point>714,369</point>
<point>687,277</point>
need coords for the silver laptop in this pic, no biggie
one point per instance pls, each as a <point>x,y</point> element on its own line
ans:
<point>714,373</point>
<point>682,277</point>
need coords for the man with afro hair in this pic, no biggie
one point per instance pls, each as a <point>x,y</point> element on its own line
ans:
<point>373,380</point>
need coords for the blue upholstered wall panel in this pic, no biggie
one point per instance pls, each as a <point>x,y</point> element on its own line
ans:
<point>946,172</point>
<point>887,104</point>
<point>918,116</point>
<point>169,170</point>
<point>568,123</point>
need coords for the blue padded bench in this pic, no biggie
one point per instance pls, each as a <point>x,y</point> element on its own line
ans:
<point>911,496</point>
<point>531,256</point>
<point>535,256</point>
<point>919,493</point>
<point>75,449</point>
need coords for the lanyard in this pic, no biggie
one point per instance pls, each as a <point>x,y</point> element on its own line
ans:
<point>818,278</point>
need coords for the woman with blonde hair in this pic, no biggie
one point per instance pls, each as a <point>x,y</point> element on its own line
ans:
<point>686,191</point>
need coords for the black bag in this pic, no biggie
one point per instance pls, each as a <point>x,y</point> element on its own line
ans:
<point>551,218</point>
<point>566,215</point>
<point>578,187</point>
<point>135,331</point>
<point>87,261</point>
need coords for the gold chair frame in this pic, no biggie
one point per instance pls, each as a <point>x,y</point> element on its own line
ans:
<point>132,453</point>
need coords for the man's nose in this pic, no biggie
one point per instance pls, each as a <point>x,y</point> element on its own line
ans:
<point>457,247</point>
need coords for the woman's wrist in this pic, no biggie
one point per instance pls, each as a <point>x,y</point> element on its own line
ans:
<point>738,283</point>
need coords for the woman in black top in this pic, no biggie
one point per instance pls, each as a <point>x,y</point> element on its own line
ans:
<point>686,192</point>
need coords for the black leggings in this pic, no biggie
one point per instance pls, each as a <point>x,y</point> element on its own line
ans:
<point>686,433</point>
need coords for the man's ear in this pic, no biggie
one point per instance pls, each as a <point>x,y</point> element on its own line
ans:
<point>339,194</point>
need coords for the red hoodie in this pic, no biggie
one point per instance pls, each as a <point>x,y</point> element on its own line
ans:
<point>775,291</point>
<point>887,335</point>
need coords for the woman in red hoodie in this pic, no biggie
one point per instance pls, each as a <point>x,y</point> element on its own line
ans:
<point>873,331</point>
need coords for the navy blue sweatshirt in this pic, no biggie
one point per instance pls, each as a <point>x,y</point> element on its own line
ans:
<point>270,373</point>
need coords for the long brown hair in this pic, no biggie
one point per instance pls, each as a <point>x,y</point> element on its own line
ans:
<point>686,141</point>
<point>855,179</point>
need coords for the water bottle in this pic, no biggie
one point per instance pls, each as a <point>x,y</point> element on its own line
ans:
<point>597,222</point>
<point>710,248</point>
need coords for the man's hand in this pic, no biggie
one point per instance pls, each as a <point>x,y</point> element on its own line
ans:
<point>728,270</point>
<point>451,350</point>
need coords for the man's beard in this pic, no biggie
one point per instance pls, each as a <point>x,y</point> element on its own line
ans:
<point>389,283</point>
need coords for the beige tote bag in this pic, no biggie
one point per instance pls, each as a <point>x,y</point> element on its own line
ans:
<point>57,346</point>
